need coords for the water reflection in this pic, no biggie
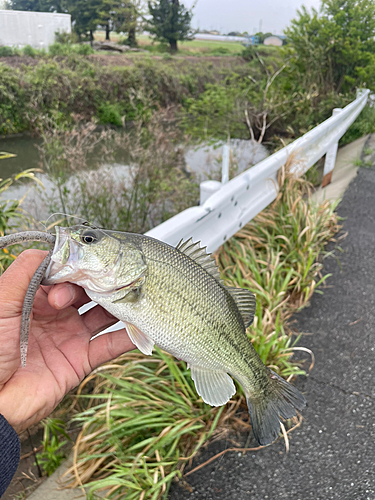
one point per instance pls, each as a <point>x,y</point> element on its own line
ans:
<point>26,155</point>
<point>203,161</point>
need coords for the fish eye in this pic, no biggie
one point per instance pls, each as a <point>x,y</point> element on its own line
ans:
<point>89,237</point>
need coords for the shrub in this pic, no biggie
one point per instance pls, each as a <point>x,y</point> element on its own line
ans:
<point>151,187</point>
<point>248,53</point>
<point>364,124</point>
<point>60,49</point>
<point>8,51</point>
<point>12,101</point>
<point>30,51</point>
<point>66,38</point>
<point>110,114</point>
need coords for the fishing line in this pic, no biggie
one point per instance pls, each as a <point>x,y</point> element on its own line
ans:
<point>67,217</point>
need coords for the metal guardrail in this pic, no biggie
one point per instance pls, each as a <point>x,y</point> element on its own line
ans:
<point>238,201</point>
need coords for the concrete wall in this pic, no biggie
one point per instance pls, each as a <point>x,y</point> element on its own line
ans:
<point>19,28</point>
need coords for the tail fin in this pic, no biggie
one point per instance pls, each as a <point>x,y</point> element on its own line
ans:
<point>281,400</point>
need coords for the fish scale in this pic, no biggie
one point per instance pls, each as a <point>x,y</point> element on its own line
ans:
<point>174,298</point>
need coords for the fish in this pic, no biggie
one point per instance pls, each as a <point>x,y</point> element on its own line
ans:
<point>174,298</point>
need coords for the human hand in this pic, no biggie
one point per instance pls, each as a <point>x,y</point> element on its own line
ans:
<point>60,354</point>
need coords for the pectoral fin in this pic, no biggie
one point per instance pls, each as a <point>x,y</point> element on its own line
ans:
<point>144,343</point>
<point>215,387</point>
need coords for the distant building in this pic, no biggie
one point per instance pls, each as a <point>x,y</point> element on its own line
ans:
<point>222,38</point>
<point>19,28</point>
<point>277,41</point>
<point>251,40</point>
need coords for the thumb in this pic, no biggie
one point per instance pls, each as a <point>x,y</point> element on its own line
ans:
<point>16,279</point>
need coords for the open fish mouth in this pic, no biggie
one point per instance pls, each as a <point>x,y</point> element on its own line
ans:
<point>66,254</point>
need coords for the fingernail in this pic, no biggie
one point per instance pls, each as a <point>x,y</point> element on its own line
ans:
<point>65,296</point>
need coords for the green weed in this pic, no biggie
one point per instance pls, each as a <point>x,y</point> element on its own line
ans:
<point>362,163</point>
<point>144,419</point>
<point>363,125</point>
<point>110,114</point>
<point>52,455</point>
<point>66,49</point>
<point>8,51</point>
<point>12,217</point>
<point>278,256</point>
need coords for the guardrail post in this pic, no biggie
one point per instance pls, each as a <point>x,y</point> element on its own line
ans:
<point>207,189</point>
<point>225,164</point>
<point>330,160</point>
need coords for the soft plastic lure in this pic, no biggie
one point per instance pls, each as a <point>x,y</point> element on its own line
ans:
<point>23,237</point>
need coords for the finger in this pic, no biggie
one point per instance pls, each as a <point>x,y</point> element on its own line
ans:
<point>16,279</point>
<point>109,346</point>
<point>98,319</point>
<point>64,295</point>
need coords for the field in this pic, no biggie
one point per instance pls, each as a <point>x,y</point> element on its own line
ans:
<point>194,47</point>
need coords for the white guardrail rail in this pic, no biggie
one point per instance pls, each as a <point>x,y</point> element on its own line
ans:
<point>239,200</point>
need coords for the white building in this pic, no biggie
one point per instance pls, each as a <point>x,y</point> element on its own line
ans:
<point>273,40</point>
<point>20,28</point>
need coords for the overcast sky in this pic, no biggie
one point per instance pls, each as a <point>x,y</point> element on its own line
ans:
<point>246,15</point>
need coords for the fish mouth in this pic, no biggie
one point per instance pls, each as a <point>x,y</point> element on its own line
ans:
<point>65,253</point>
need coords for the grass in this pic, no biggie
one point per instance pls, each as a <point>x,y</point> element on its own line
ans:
<point>147,421</point>
<point>143,420</point>
<point>12,217</point>
<point>362,163</point>
<point>278,257</point>
<point>194,47</point>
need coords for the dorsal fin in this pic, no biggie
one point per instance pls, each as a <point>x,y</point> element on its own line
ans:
<point>246,303</point>
<point>200,256</point>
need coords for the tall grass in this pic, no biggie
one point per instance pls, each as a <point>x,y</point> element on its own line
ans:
<point>12,217</point>
<point>147,186</point>
<point>144,420</point>
<point>279,257</point>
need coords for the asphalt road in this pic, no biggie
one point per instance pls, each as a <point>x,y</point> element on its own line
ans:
<point>332,455</point>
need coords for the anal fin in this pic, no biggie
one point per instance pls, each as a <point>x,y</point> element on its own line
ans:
<point>144,343</point>
<point>215,387</point>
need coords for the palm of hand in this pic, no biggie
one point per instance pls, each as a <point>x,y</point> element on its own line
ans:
<point>60,353</point>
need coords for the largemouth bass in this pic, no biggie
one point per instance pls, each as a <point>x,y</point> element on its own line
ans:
<point>174,298</point>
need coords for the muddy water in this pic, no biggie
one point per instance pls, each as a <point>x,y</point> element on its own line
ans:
<point>204,161</point>
<point>26,155</point>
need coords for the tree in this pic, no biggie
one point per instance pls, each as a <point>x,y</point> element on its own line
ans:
<point>261,36</point>
<point>126,20</point>
<point>36,5</point>
<point>170,22</point>
<point>120,16</point>
<point>84,15</point>
<point>104,16</point>
<point>335,48</point>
